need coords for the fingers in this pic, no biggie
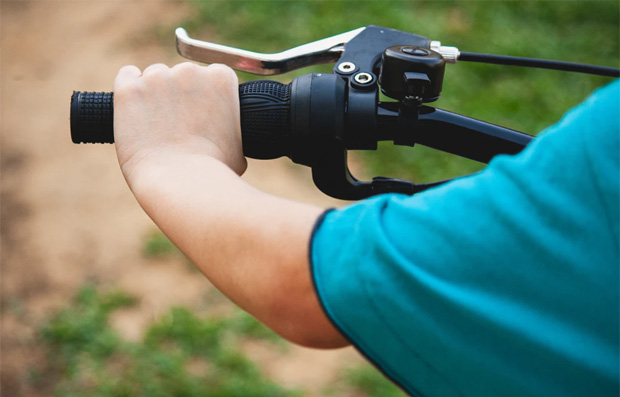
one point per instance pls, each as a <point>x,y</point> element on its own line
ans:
<point>153,69</point>
<point>130,74</point>
<point>222,70</point>
<point>223,73</point>
<point>185,77</point>
<point>186,66</point>
<point>126,75</point>
<point>218,72</point>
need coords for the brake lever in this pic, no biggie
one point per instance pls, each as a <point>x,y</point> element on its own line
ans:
<point>322,144</point>
<point>327,50</point>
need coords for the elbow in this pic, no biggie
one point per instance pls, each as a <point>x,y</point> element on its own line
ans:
<point>300,319</point>
<point>314,337</point>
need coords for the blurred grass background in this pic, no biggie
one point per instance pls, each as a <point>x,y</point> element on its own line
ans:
<point>181,354</point>
<point>521,98</point>
<point>186,354</point>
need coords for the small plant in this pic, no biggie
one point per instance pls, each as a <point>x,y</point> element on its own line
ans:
<point>157,245</point>
<point>244,324</point>
<point>181,354</point>
<point>371,382</point>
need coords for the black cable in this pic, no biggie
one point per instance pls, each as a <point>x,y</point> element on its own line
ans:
<point>539,63</point>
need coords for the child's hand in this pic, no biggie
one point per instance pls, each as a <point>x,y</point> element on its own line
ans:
<point>187,107</point>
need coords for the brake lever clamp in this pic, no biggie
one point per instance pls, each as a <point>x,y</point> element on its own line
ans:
<point>360,65</point>
<point>343,105</point>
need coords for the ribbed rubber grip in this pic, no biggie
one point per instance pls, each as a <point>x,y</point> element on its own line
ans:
<point>265,118</point>
<point>92,117</point>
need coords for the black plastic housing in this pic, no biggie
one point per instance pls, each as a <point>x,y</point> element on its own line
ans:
<point>403,72</point>
<point>318,102</point>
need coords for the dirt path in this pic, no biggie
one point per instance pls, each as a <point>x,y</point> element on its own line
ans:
<point>67,216</point>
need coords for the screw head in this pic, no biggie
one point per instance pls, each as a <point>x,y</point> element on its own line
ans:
<point>363,78</point>
<point>420,52</point>
<point>346,67</point>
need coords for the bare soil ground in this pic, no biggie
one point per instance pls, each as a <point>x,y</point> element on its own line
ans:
<point>67,217</point>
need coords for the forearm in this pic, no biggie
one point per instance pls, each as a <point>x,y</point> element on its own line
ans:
<point>251,245</point>
<point>178,141</point>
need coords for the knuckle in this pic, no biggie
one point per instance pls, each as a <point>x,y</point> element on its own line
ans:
<point>156,65</point>
<point>155,70</point>
<point>222,73</point>
<point>127,69</point>
<point>186,76</point>
<point>126,75</point>
<point>127,91</point>
<point>185,68</point>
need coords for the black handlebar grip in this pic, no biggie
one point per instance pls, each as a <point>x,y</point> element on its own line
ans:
<point>92,117</point>
<point>265,118</point>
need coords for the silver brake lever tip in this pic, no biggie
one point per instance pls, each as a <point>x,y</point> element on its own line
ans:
<point>326,50</point>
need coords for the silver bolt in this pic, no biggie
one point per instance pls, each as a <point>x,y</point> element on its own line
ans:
<point>363,78</point>
<point>449,54</point>
<point>346,67</point>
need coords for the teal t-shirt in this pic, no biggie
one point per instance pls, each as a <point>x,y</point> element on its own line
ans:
<point>500,284</point>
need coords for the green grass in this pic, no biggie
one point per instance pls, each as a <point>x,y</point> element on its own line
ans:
<point>368,380</point>
<point>362,380</point>
<point>181,354</point>
<point>523,99</point>
<point>157,245</point>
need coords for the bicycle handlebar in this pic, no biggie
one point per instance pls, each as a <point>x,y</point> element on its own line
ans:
<point>265,118</point>
<point>316,118</point>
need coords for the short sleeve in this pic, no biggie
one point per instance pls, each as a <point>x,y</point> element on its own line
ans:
<point>504,283</point>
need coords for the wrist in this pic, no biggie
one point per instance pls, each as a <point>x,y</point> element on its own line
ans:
<point>146,162</point>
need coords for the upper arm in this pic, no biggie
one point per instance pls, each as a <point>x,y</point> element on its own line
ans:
<point>281,292</point>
